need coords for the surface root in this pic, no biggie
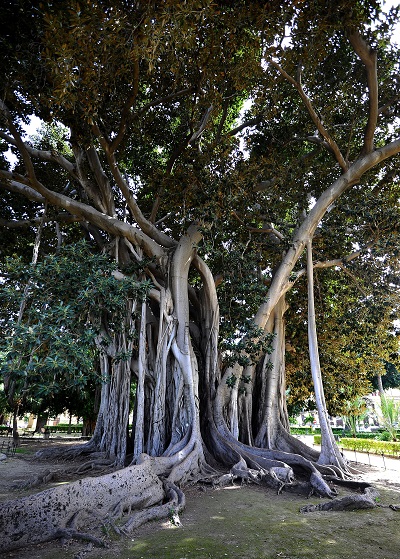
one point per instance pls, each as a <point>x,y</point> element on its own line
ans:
<point>171,510</point>
<point>71,533</point>
<point>351,502</point>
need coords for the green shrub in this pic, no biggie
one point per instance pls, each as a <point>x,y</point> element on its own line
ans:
<point>366,445</point>
<point>315,430</point>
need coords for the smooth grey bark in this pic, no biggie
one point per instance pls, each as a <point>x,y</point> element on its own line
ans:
<point>273,372</point>
<point>138,443</point>
<point>184,457</point>
<point>330,453</point>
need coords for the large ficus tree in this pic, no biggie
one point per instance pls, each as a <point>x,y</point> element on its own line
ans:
<point>169,169</point>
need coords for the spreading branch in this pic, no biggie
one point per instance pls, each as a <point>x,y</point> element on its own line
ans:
<point>21,223</point>
<point>340,263</point>
<point>44,155</point>
<point>330,142</point>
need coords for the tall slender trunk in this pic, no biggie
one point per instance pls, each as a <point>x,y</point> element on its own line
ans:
<point>380,386</point>
<point>138,441</point>
<point>330,453</point>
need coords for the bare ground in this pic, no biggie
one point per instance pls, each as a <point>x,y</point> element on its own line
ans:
<point>249,522</point>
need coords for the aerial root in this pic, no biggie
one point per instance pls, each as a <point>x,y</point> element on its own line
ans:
<point>171,509</point>
<point>333,471</point>
<point>45,477</point>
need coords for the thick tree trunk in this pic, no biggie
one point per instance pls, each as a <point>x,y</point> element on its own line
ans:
<point>272,396</point>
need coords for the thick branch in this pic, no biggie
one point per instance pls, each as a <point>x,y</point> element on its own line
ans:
<point>369,59</point>
<point>18,187</point>
<point>103,221</point>
<point>44,155</point>
<point>101,180</point>
<point>334,148</point>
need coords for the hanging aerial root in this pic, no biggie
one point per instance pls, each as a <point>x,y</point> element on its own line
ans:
<point>171,510</point>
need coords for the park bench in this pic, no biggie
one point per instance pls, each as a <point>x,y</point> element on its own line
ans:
<point>27,433</point>
<point>8,447</point>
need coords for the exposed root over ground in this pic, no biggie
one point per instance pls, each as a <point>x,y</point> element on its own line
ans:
<point>59,511</point>
<point>125,499</point>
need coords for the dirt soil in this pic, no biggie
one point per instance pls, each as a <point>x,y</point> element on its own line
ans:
<point>249,522</point>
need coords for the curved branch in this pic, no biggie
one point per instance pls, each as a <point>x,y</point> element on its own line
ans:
<point>110,224</point>
<point>44,155</point>
<point>145,225</point>
<point>101,180</point>
<point>281,283</point>
<point>18,187</point>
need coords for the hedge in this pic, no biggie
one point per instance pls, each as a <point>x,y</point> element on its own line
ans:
<point>373,446</point>
<point>366,445</point>
<point>64,428</point>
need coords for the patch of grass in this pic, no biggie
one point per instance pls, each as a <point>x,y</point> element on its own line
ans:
<point>252,523</point>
